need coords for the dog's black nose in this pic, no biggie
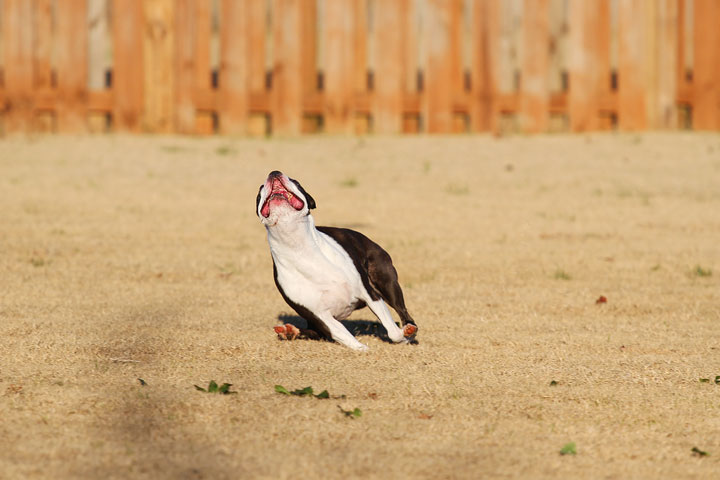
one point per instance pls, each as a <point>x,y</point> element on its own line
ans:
<point>275,173</point>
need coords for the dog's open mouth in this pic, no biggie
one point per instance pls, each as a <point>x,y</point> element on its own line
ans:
<point>278,195</point>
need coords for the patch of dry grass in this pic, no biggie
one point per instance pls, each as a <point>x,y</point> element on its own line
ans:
<point>141,257</point>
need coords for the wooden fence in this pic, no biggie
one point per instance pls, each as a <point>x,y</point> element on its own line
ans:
<point>357,66</point>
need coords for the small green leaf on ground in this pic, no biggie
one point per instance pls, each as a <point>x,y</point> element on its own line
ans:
<point>704,380</point>
<point>717,379</point>
<point>302,392</point>
<point>554,383</point>
<point>568,449</point>
<point>457,189</point>
<point>699,453</point>
<point>702,272</point>
<point>213,387</point>
<point>224,150</point>
<point>561,275</point>
<point>38,262</point>
<point>349,182</point>
<point>142,382</point>
<point>225,389</point>
<point>351,413</point>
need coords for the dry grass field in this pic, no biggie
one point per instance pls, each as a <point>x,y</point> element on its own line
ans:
<point>127,258</point>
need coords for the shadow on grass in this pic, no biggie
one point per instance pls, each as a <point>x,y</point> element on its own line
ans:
<point>145,425</point>
<point>359,328</point>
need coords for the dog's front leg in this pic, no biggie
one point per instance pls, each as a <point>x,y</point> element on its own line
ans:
<point>340,334</point>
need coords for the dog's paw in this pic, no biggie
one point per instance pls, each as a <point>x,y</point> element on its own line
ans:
<point>409,330</point>
<point>287,331</point>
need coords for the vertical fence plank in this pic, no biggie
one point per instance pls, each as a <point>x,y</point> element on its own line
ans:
<point>360,39</point>
<point>309,43</point>
<point>663,112</point>
<point>634,64</point>
<point>192,69</point>
<point>363,118</point>
<point>202,70</point>
<point>43,119</point>
<point>442,25</point>
<point>287,68</point>
<point>42,43</point>
<point>339,65</point>
<point>588,64</point>
<point>256,33</point>
<point>535,63</point>
<point>256,54</point>
<point>683,85</point>
<point>485,33</point>
<point>158,52</point>
<point>706,65</point>
<point>185,66</point>
<point>387,106</point>
<point>99,63</point>
<point>127,18</point>
<point>98,46</point>
<point>233,67</point>
<point>18,52</point>
<point>72,65</point>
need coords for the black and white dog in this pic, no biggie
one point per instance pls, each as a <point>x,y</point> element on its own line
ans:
<point>324,273</point>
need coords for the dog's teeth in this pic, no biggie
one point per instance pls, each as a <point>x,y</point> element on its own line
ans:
<point>290,195</point>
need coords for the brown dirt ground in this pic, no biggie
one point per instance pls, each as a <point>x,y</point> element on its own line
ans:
<point>141,257</point>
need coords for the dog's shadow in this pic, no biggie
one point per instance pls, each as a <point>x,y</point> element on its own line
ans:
<point>359,328</point>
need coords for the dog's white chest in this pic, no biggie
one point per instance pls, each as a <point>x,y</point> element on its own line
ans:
<point>318,274</point>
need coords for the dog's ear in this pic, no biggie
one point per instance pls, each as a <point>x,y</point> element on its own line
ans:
<point>257,200</point>
<point>310,200</point>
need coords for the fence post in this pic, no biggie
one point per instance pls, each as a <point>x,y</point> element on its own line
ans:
<point>42,48</point>
<point>42,43</point>
<point>634,64</point>
<point>201,85</point>
<point>255,54</point>
<point>127,82</point>
<point>706,66</point>
<point>588,62</point>
<point>484,39</point>
<point>287,88</point>
<point>663,112</point>
<point>442,20</point>
<point>72,65</point>
<point>158,54</point>
<point>18,49</point>
<point>233,66</point>
<point>363,118</point>
<point>535,63</point>
<point>339,65</point>
<point>388,26</point>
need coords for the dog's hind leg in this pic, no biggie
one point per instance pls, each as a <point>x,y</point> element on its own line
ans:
<point>395,333</point>
<point>291,332</point>
<point>384,279</point>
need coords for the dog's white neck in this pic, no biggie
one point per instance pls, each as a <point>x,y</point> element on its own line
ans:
<point>293,236</point>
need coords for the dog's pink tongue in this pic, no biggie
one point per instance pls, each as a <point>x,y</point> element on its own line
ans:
<point>265,211</point>
<point>296,203</point>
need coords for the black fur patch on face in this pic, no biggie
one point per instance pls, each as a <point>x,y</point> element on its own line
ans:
<point>257,200</point>
<point>310,200</point>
